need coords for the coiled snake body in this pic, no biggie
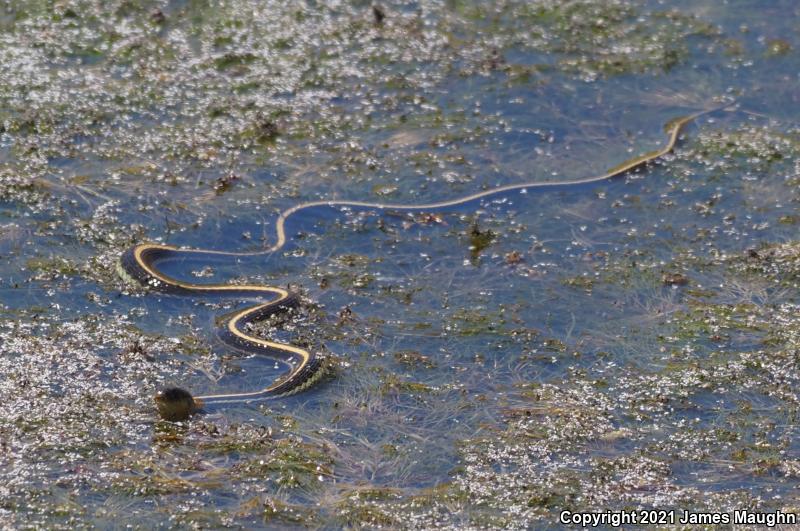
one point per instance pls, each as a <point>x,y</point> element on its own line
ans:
<point>139,263</point>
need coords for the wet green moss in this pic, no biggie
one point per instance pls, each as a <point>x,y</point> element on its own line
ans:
<point>474,321</point>
<point>581,282</point>
<point>413,359</point>
<point>52,267</point>
<point>366,515</point>
<point>290,464</point>
<point>777,47</point>
<point>750,147</point>
<point>479,240</point>
<point>776,261</point>
<point>277,512</point>
<point>23,188</point>
<point>715,321</point>
<point>589,37</point>
<point>240,439</point>
<point>230,60</point>
<point>395,384</point>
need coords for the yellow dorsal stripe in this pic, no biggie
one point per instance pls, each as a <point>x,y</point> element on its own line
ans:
<point>305,358</point>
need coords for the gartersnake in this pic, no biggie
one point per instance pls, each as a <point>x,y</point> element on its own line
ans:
<point>140,264</point>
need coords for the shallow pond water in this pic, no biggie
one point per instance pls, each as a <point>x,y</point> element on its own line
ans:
<point>626,344</point>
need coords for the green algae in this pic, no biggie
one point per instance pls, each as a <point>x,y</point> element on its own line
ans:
<point>777,47</point>
<point>779,262</point>
<point>52,268</point>
<point>414,359</point>
<point>191,123</point>
<point>290,464</point>
<point>589,39</point>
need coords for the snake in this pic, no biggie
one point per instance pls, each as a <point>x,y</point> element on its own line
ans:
<point>139,264</point>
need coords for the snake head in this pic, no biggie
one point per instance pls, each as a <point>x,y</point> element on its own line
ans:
<point>175,404</point>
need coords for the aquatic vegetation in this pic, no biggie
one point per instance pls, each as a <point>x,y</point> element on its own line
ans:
<point>625,345</point>
<point>779,262</point>
<point>592,39</point>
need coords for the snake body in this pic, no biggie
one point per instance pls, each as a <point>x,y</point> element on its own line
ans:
<point>139,263</point>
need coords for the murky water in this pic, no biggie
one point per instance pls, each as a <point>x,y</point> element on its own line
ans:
<point>621,345</point>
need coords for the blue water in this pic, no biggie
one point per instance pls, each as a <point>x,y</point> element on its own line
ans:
<point>530,340</point>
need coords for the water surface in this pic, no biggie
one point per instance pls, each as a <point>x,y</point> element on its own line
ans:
<point>628,344</point>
